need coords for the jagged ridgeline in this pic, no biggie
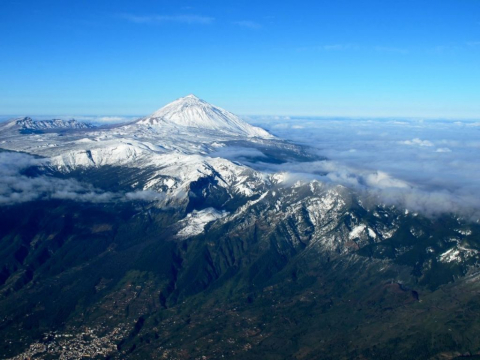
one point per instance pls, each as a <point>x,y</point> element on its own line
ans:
<point>146,241</point>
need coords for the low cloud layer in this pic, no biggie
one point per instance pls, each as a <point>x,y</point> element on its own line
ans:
<point>429,166</point>
<point>17,187</point>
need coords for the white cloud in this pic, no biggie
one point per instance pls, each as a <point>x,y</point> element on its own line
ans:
<point>383,180</point>
<point>112,119</point>
<point>16,187</point>
<point>153,19</point>
<point>417,142</point>
<point>387,168</point>
<point>443,150</point>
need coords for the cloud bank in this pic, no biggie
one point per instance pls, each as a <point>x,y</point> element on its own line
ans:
<point>428,166</point>
<point>17,187</point>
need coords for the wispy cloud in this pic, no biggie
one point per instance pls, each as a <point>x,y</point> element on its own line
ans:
<point>248,24</point>
<point>329,47</point>
<point>158,19</point>
<point>388,49</point>
<point>473,43</point>
<point>351,46</point>
<point>450,48</point>
<point>337,47</point>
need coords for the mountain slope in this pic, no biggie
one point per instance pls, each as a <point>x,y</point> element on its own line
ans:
<point>158,243</point>
<point>190,111</point>
<point>303,262</point>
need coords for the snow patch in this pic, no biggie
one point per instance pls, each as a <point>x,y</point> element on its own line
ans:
<point>194,223</point>
<point>372,233</point>
<point>356,231</point>
<point>457,254</point>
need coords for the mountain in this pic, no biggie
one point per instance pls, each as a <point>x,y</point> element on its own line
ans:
<point>175,146</point>
<point>168,238</point>
<point>28,123</point>
<point>192,112</point>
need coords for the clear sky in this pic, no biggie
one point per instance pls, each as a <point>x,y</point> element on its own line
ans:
<point>336,57</point>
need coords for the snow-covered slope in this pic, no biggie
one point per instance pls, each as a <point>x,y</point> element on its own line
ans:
<point>190,111</point>
<point>28,123</point>
<point>170,152</point>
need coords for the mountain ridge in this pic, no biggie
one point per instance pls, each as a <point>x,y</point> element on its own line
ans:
<point>27,123</point>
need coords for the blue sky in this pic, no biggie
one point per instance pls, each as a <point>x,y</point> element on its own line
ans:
<point>345,58</point>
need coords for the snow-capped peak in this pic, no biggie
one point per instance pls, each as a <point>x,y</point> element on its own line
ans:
<point>182,105</point>
<point>191,96</point>
<point>190,111</point>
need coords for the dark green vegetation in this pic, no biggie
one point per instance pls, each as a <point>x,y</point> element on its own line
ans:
<point>264,285</point>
